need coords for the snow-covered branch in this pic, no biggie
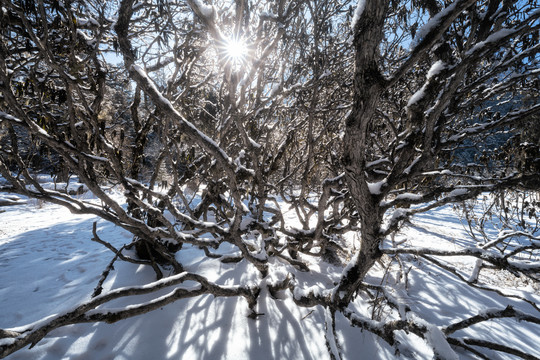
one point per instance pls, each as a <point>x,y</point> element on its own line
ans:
<point>495,259</point>
<point>14,339</point>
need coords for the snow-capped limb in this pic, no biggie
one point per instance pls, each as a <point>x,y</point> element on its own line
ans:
<point>441,195</point>
<point>507,119</point>
<point>493,38</point>
<point>196,135</point>
<point>10,200</point>
<point>99,159</point>
<point>116,314</point>
<point>334,180</point>
<point>406,199</point>
<point>254,143</point>
<point>376,188</point>
<point>202,286</point>
<point>331,336</point>
<point>433,22</point>
<point>417,96</point>
<point>476,270</point>
<point>16,338</point>
<point>471,345</point>
<point>308,297</point>
<point>524,266</point>
<point>489,314</point>
<point>393,223</point>
<point>386,330</point>
<point>207,14</point>
<point>204,11</point>
<point>496,259</point>
<point>409,168</point>
<point>509,59</point>
<point>360,6</point>
<point>450,174</point>
<point>6,117</point>
<point>431,33</point>
<point>160,64</point>
<point>509,81</point>
<point>377,162</point>
<point>436,68</point>
<point>505,234</point>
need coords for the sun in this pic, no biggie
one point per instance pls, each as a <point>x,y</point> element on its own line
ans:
<point>235,51</point>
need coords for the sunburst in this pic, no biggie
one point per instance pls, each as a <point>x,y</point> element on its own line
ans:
<point>235,51</point>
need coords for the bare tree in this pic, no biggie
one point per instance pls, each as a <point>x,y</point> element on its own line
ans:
<point>357,117</point>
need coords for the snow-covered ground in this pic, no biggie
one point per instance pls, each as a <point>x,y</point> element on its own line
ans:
<point>49,264</point>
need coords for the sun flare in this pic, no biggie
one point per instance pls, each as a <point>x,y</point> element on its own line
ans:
<point>236,51</point>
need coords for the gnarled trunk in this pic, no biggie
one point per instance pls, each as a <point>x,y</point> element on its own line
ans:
<point>368,87</point>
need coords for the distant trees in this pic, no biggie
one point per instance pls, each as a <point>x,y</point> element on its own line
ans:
<point>352,115</point>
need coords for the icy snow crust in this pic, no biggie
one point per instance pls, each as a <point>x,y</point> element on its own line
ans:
<point>49,266</point>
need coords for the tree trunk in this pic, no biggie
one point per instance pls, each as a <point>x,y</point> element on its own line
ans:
<point>368,87</point>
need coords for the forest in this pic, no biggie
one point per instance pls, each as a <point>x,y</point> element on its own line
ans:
<point>331,158</point>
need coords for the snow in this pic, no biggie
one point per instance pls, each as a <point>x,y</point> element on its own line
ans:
<point>476,270</point>
<point>436,69</point>
<point>268,15</point>
<point>409,196</point>
<point>441,347</point>
<point>330,335</point>
<point>417,96</point>
<point>6,199</point>
<point>496,36</point>
<point>50,265</point>
<point>206,11</point>
<point>9,117</point>
<point>525,265</point>
<point>326,73</point>
<point>408,170</point>
<point>360,6</point>
<point>432,23</point>
<point>90,41</point>
<point>96,158</point>
<point>375,188</point>
<point>254,143</point>
<point>376,162</point>
<point>457,192</point>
